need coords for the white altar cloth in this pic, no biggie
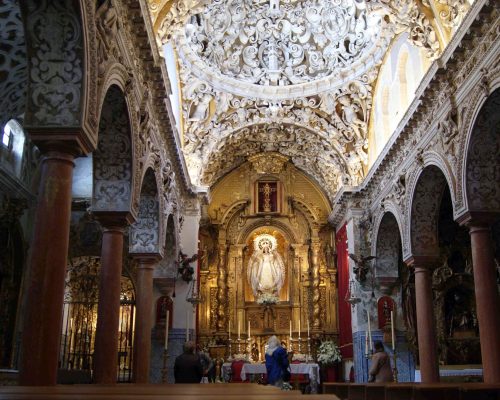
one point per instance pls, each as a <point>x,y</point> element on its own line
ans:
<point>310,369</point>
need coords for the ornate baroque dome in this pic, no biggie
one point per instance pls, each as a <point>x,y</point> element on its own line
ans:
<point>278,50</point>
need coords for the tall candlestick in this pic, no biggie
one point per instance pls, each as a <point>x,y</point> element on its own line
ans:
<point>239,328</point>
<point>166,329</point>
<point>290,329</point>
<point>299,327</point>
<point>187,325</point>
<point>369,330</point>
<point>308,333</point>
<point>366,345</point>
<point>229,330</point>
<point>248,329</point>
<point>392,331</point>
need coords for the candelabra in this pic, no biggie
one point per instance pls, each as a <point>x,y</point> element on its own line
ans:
<point>230,341</point>
<point>309,357</point>
<point>239,345</point>
<point>395,367</point>
<point>164,369</point>
<point>249,349</point>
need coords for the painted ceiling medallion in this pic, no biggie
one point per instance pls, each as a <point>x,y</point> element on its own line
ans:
<point>281,49</point>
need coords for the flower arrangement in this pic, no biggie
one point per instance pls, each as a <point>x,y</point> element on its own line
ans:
<point>267,298</point>
<point>329,353</point>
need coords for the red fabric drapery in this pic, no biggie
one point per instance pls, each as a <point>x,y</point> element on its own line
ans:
<point>345,328</point>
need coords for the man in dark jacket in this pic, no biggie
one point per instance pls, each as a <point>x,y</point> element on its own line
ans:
<point>187,367</point>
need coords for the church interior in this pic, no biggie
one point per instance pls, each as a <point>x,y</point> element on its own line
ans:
<point>217,171</point>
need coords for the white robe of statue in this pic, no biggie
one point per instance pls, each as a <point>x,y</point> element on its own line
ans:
<point>266,271</point>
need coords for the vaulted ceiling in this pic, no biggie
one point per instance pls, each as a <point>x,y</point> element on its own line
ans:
<point>296,77</point>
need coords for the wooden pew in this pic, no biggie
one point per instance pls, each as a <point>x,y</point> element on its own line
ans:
<point>153,392</point>
<point>375,391</point>
<point>479,391</point>
<point>223,388</point>
<point>436,391</point>
<point>340,389</point>
<point>38,396</point>
<point>399,391</point>
<point>356,391</point>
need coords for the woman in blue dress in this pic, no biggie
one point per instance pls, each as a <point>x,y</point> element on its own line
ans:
<point>276,363</point>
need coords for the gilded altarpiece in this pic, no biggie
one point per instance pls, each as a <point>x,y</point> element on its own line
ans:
<point>292,238</point>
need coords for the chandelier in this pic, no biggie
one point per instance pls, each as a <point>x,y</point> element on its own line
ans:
<point>351,295</point>
<point>193,295</point>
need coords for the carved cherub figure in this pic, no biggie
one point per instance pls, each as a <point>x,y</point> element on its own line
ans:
<point>362,266</point>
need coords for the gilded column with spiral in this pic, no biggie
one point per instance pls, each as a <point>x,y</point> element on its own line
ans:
<point>221,289</point>
<point>315,247</point>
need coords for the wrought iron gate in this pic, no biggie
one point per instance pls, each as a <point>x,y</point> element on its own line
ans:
<point>80,319</point>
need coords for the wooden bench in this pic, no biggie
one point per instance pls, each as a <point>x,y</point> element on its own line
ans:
<point>153,392</point>
<point>399,391</point>
<point>436,391</point>
<point>356,391</point>
<point>340,389</point>
<point>375,391</point>
<point>479,391</point>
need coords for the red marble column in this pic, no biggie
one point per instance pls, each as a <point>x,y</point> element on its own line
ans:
<point>42,316</point>
<point>143,319</point>
<point>487,300</point>
<point>426,330</point>
<point>108,311</point>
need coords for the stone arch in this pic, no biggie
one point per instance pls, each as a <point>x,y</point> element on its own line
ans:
<point>477,98</point>
<point>388,246</point>
<point>284,228</point>
<point>481,172</point>
<point>145,231</point>
<point>112,160</point>
<point>425,200</point>
<point>116,75</point>
<point>171,236</point>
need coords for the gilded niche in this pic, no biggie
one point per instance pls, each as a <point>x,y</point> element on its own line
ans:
<point>266,269</point>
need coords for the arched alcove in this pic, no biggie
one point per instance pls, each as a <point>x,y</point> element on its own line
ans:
<point>482,172</point>
<point>144,231</point>
<point>113,157</point>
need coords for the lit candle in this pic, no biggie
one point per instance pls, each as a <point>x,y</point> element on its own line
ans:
<point>187,325</point>
<point>166,329</point>
<point>369,330</point>
<point>392,331</point>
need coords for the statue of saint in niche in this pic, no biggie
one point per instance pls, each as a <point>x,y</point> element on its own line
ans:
<point>266,271</point>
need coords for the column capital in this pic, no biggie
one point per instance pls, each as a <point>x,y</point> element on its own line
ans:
<point>72,140</point>
<point>146,260</point>
<point>114,220</point>
<point>422,262</point>
<point>478,218</point>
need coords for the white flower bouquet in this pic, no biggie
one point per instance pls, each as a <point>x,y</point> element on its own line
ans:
<point>267,298</point>
<point>329,353</point>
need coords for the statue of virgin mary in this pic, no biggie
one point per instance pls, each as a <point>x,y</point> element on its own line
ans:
<point>266,271</point>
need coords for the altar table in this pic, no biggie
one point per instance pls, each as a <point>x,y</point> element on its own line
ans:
<point>310,369</point>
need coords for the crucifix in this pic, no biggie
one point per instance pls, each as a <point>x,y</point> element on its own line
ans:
<point>267,189</point>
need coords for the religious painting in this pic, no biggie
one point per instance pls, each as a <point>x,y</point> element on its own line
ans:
<point>268,195</point>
